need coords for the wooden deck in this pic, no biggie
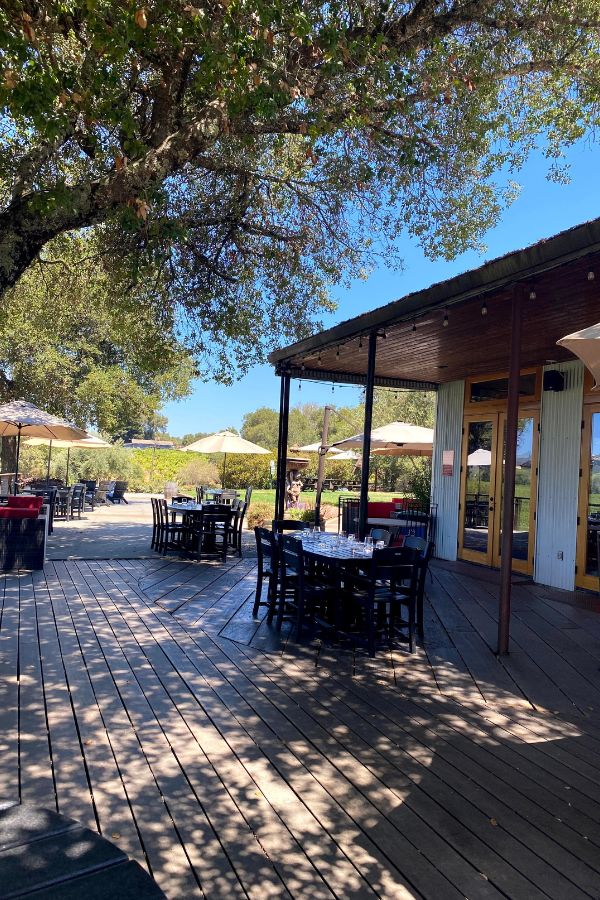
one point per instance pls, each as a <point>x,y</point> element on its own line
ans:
<point>142,699</point>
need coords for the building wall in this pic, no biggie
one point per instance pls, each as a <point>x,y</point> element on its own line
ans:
<point>558,480</point>
<point>445,489</point>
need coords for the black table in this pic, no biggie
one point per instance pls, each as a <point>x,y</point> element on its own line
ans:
<point>47,856</point>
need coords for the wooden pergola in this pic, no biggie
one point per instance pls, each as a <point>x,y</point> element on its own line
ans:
<point>505,315</point>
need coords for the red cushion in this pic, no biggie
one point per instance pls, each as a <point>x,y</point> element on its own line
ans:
<point>380,510</point>
<point>22,502</point>
<point>7,513</point>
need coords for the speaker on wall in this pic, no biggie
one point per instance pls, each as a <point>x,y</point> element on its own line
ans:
<point>554,381</point>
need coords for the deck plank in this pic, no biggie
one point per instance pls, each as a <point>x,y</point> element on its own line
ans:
<point>231,760</point>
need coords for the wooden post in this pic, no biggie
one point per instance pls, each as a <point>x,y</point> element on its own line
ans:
<point>284,411</point>
<point>366,448</point>
<point>321,471</point>
<point>510,462</point>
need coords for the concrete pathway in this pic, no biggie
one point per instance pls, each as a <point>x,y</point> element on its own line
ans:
<point>119,531</point>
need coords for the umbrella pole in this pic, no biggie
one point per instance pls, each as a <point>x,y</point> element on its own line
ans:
<point>67,472</point>
<point>17,463</point>
<point>48,469</point>
<point>224,465</point>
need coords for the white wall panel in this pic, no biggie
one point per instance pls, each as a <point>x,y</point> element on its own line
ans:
<point>558,480</point>
<point>445,489</point>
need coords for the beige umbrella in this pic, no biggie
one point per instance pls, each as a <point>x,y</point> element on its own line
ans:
<point>89,442</point>
<point>224,442</point>
<point>21,419</point>
<point>334,452</point>
<point>586,345</point>
<point>394,439</point>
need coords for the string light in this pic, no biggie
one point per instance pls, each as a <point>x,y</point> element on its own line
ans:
<point>333,388</point>
<point>337,352</point>
<point>484,308</point>
<point>320,356</point>
<point>532,295</point>
<point>414,328</point>
<point>445,323</point>
<point>360,343</point>
<point>300,386</point>
<point>590,276</point>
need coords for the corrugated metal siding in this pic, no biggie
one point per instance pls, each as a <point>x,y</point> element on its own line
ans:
<point>445,489</point>
<point>558,480</point>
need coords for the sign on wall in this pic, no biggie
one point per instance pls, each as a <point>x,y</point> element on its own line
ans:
<point>447,462</point>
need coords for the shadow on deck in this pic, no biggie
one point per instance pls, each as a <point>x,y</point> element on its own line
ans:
<point>136,696</point>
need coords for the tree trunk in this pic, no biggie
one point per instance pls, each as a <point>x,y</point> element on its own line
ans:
<point>8,461</point>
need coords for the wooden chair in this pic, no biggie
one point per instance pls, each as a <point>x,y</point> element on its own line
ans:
<point>171,535</point>
<point>386,583</point>
<point>267,553</point>
<point>209,532</point>
<point>77,500</point>
<point>425,551</point>
<point>118,493</point>
<point>307,589</point>
<point>237,526</point>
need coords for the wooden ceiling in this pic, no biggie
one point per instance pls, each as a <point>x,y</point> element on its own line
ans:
<point>424,350</point>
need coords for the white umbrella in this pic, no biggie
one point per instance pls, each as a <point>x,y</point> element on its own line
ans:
<point>224,442</point>
<point>480,457</point>
<point>586,345</point>
<point>334,452</point>
<point>395,439</point>
<point>89,442</point>
<point>21,419</point>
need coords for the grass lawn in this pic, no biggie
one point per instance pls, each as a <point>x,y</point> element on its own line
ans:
<point>330,497</point>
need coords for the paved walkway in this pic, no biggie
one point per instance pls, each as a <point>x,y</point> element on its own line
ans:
<point>110,531</point>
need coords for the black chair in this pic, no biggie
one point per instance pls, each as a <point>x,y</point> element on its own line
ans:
<point>267,554</point>
<point>77,500</point>
<point>170,535</point>
<point>181,498</point>
<point>386,583</point>
<point>281,525</point>
<point>237,526</point>
<point>209,532</point>
<point>90,492</point>
<point>63,507</point>
<point>425,551</point>
<point>381,534</point>
<point>118,492</point>
<point>248,496</point>
<point>308,586</point>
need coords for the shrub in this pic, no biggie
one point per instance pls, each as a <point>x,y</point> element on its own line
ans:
<point>260,514</point>
<point>198,471</point>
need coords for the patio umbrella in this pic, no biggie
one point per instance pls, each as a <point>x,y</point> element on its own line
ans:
<point>586,345</point>
<point>480,457</point>
<point>395,439</point>
<point>89,442</point>
<point>224,442</point>
<point>21,419</point>
<point>335,452</point>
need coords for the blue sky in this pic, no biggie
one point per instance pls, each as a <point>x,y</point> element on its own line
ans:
<point>542,210</point>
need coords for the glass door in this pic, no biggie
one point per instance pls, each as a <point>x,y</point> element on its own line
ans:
<point>588,538</point>
<point>525,494</point>
<point>478,507</point>
<point>483,467</point>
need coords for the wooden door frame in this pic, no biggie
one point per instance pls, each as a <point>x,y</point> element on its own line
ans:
<point>520,565</point>
<point>484,559</point>
<point>492,558</point>
<point>581,578</point>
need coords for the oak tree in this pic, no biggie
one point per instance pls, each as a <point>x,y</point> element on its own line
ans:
<point>239,156</point>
